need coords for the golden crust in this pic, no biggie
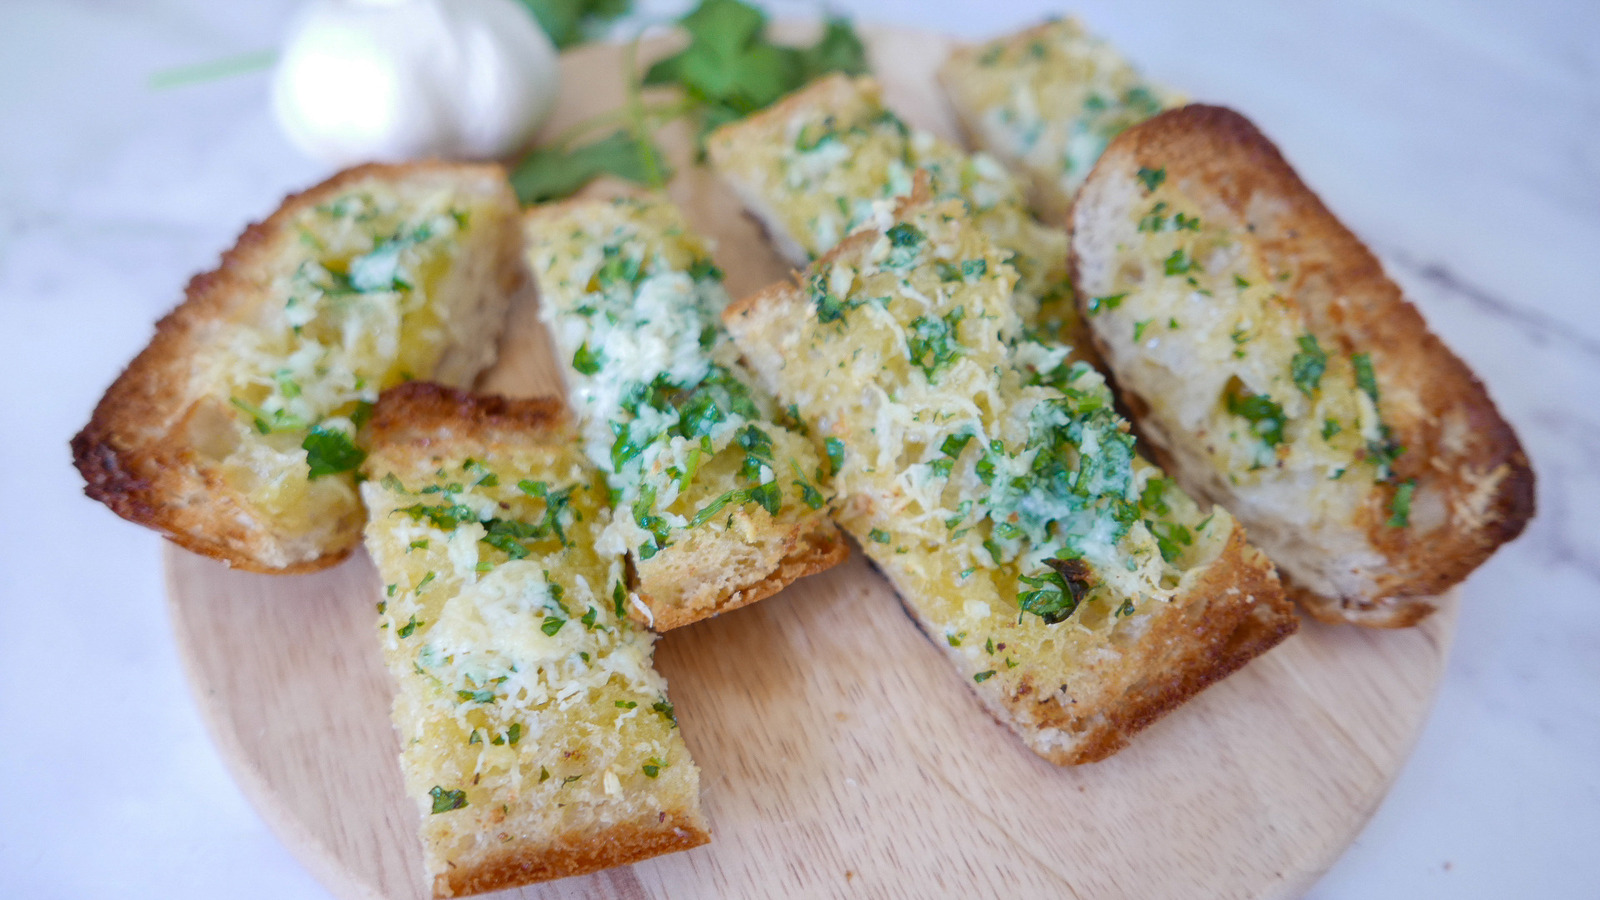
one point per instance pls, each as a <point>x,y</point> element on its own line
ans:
<point>133,454</point>
<point>1234,612</point>
<point>806,552</point>
<point>1458,447</point>
<point>529,862</point>
<point>420,415</point>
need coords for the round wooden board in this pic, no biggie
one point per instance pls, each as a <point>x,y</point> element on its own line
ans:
<point>841,756</point>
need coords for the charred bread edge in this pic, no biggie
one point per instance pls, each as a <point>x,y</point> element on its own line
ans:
<point>136,472</point>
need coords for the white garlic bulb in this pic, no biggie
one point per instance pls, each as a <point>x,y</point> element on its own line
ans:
<point>390,80</point>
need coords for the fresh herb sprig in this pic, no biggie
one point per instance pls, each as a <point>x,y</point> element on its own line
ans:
<point>729,70</point>
<point>571,22</point>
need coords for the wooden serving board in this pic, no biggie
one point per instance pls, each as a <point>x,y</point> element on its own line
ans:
<point>841,756</point>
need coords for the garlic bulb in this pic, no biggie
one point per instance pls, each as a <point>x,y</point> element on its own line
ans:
<point>391,80</point>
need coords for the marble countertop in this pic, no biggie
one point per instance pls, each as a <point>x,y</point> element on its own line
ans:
<point>1462,141</point>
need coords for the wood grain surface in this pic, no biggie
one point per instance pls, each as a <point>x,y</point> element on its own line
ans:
<point>840,755</point>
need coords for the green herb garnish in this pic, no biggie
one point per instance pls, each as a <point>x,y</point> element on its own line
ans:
<point>445,801</point>
<point>330,451</point>
<point>1308,364</point>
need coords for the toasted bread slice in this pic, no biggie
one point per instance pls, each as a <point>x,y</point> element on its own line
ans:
<point>721,504</point>
<point>535,737</point>
<point>1076,590</point>
<point>831,158</point>
<point>1282,374</point>
<point>1046,101</point>
<point>235,432</point>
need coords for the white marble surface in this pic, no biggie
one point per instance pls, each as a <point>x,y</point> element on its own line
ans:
<point>1463,141</point>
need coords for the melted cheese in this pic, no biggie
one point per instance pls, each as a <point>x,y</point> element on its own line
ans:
<point>525,693</point>
<point>634,304</point>
<point>356,308</point>
<point>832,160</point>
<point>969,463</point>
<point>1051,98</point>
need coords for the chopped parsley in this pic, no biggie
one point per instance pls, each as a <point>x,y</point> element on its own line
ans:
<point>1180,263</point>
<point>1366,380</point>
<point>1308,364</point>
<point>330,451</point>
<point>933,343</point>
<point>1265,416</point>
<point>1400,505</point>
<point>834,447</point>
<point>445,801</point>
<point>587,361</point>
<point>1057,593</point>
<point>1152,178</point>
<point>1110,301</point>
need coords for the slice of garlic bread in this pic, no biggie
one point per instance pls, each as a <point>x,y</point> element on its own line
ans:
<point>1046,101</point>
<point>1074,587</point>
<point>1282,374</point>
<point>236,432</point>
<point>831,158</point>
<point>535,737</point>
<point>720,504</point>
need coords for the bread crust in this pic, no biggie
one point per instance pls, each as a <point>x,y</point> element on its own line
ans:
<point>425,416</point>
<point>1235,611</point>
<point>1457,444</point>
<point>133,455</point>
<point>620,845</point>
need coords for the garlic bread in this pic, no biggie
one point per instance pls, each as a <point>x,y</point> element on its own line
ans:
<point>721,503</point>
<point>1280,373</point>
<point>536,739</point>
<point>831,158</point>
<point>236,431</point>
<point>1079,592</point>
<point>1046,101</point>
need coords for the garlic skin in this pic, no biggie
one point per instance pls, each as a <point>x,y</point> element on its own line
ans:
<point>391,80</point>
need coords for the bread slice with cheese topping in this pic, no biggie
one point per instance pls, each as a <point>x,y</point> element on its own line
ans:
<point>1280,373</point>
<point>1046,101</point>
<point>1079,593</point>
<point>721,499</point>
<point>831,158</point>
<point>536,739</point>
<point>236,432</point>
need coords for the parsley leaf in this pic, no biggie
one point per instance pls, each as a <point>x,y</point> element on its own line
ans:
<point>1400,506</point>
<point>1308,364</point>
<point>1365,379</point>
<point>730,69</point>
<point>1265,416</point>
<point>444,801</point>
<point>586,361</point>
<point>550,173</point>
<point>330,451</point>
<point>570,22</point>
